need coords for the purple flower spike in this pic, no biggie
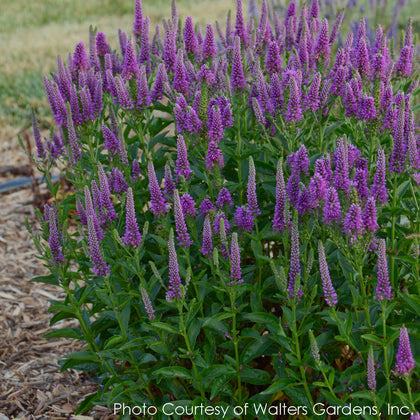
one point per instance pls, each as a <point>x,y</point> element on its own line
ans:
<point>294,110</point>
<point>76,153</point>
<point>215,127</point>
<point>80,58</point>
<point>251,190</point>
<point>294,271</point>
<point>235,260</point>
<point>209,46</point>
<point>341,173</point>
<point>398,156</point>
<point>332,207</point>
<point>105,196</point>
<point>54,237</point>
<point>138,19</point>
<point>174,278</point>
<point>281,196</point>
<point>41,154</point>
<point>100,268</point>
<point>216,223</point>
<point>273,58</point>
<point>135,171</point>
<point>214,156</point>
<point>147,304</point>
<point>244,219</point>
<point>183,236</point>
<point>110,141</point>
<point>312,101</point>
<point>143,97</point>
<point>205,206</point>
<point>378,189</point>
<point>371,378</point>
<point>383,287</point>
<point>132,235</point>
<point>130,66</point>
<point>190,40</point>
<point>188,206</point>
<point>353,223</point>
<point>182,164</point>
<point>370,219</point>
<point>240,23</point>
<point>237,78</point>
<point>180,83</point>
<point>169,181</point>
<point>101,44</point>
<point>207,247</point>
<point>81,212</point>
<point>224,198</point>
<point>158,205</point>
<point>144,55</point>
<point>158,88</point>
<point>405,361</point>
<point>415,416</point>
<point>117,181</point>
<point>330,294</point>
<point>322,46</point>
<point>90,212</point>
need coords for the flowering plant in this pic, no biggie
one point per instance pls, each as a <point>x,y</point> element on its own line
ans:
<point>231,200</point>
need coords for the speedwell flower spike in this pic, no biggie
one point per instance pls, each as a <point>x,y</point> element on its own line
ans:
<point>132,235</point>
<point>330,294</point>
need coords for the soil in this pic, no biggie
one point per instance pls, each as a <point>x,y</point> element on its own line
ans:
<point>32,386</point>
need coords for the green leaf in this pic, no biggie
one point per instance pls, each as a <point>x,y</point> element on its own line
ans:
<point>265,319</point>
<point>51,279</point>
<point>218,384</point>
<point>173,372</point>
<point>66,333</point>
<point>372,338</point>
<point>278,386</point>
<point>87,404</point>
<point>255,349</point>
<point>165,327</point>
<point>254,376</point>
<point>216,318</point>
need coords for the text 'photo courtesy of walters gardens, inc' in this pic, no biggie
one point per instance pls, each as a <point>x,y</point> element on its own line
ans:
<point>239,235</point>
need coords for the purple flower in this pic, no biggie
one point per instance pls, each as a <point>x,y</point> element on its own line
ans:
<point>311,100</point>
<point>397,159</point>
<point>110,141</point>
<point>404,67</point>
<point>138,19</point>
<point>235,260</point>
<point>237,78</point>
<point>360,179</point>
<point>147,304</point>
<point>117,181</point>
<point>294,110</point>
<point>174,278</point>
<point>362,58</point>
<point>341,173</point>
<point>169,47</point>
<point>101,44</point>
<point>214,122</point>
<point>180,83</point>
<point>293,189</point>
<point>38,140</point>
<point>161,78</point>
<point>304,200</point>
<point>330,294</point>
<point>378,189</point>
<point>240,24</point>
<point>132,235</point>
<point>130,66</point>
<point>216,223</point>
<point>169,181</point>
<point>251,192</point>
<point>405,362</point>
<point>383,287</point>
<point>278,220</point>
<point>190,40</point>
<point>135,171</point>
<point>294,290</point>
<point>54,237</point>
<point>299,161</point>
<point>183,236</point>
<point>214,156</point>
<point>143,97</point>
<point>273,58</point>
<point>332,207</point>
<point>369,217</point>
<point>415,416</point>
<point>76,153</point>
<point>188,206</point>
<point>209,47</point>
<point>207,247</point>
<point>371,379</point>
<point>100,268</point>
<point>224,198</point>
<point>81,212</point>
<point>105,196</point>
<point>158,205</point>
<point>322,46</point>
<point>182,164</point>
<point>90,212</point>
<point>244,219</point>
<point>80,59</point>
<point>205,206</point>
<point>317,189</point>
<point>353,223</point>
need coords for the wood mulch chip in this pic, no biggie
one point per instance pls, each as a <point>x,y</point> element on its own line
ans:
<point>31,385</point>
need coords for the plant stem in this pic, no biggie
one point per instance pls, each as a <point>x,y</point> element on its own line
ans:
<point>388,382</point>
<point>235,341</point>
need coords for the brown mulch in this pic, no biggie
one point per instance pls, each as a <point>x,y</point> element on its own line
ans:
<point>32,386</point>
